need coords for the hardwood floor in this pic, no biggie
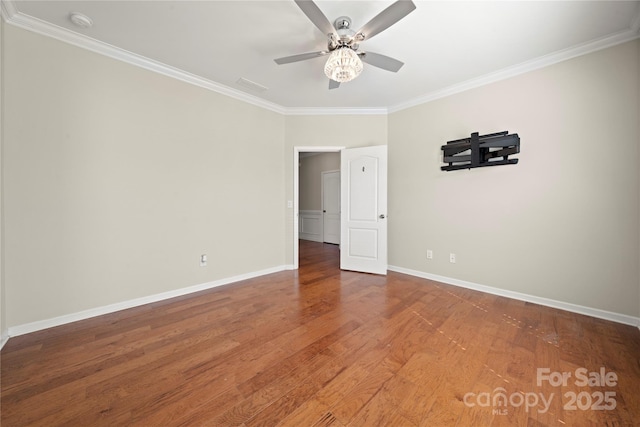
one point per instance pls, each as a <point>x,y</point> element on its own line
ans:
<point>324,347</point>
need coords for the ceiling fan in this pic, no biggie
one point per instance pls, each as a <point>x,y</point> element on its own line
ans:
<point>345,61</point>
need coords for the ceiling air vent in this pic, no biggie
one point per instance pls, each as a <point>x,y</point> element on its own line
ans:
<point>251,85</point>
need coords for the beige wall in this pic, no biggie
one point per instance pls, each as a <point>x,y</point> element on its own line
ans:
<point>310,176</point>
<point>117,179</point>
<point>564,222</point>
<point>349,131</point>
<point>3,311</point>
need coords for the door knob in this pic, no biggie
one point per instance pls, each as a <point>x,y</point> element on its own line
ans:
<point>382,216</point>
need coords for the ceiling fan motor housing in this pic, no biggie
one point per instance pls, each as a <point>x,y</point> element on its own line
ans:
<point>342,23</point>
<point>346,36</point>
<point>345,62</point>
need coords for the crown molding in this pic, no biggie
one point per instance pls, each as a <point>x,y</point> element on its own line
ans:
<point>7,9</point>
<point>12,16</point>
<point>334,111</point>
<point>29,23</point>
<point>544,61</point>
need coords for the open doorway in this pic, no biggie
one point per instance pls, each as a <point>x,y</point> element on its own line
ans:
<point>319,197</point>
<point>308,216</point>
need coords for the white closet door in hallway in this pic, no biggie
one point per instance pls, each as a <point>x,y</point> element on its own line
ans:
<point>331,206</point>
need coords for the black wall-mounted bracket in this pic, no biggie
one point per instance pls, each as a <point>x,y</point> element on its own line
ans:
<point>484,150</point>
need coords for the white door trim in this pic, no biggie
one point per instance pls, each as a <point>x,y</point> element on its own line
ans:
<point>296,189</point>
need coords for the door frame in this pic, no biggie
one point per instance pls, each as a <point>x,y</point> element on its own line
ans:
<point>296,189</point>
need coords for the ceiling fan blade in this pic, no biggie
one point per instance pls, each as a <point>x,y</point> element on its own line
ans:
<point>316,16</point>
<point>300,57</point>
<point>381,61</point>
<point>333,84</point>
<point>387,18</point>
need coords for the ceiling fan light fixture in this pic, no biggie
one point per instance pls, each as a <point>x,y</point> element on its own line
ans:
<point>343,65</point>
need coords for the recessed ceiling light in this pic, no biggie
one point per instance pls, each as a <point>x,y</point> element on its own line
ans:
<point>80,20</point>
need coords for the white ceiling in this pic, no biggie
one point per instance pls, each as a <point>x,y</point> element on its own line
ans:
<point>447,46</point>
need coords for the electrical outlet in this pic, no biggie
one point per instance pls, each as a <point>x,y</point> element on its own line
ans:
<point>452,258</point>
<point>203,260</point>
<point>429,254</point>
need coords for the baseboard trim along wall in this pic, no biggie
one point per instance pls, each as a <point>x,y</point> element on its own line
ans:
<point>111,308</point>
<point>574,308</point>
<point>3,340</point>
<point>86,314</point>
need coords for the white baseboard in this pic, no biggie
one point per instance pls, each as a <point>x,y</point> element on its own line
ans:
<point>311,237</point>
<point>588,311</point>
<point>3,340</point>
<point>111,308</point>
<point>86,314</point>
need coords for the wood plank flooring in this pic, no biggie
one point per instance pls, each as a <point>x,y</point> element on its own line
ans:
<point>324,347</point>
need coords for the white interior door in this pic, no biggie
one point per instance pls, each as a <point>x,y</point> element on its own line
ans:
<point>331,206</point>
<point>364,209</point>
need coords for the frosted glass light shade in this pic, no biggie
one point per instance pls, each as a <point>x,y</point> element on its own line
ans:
<point>343,65</point>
